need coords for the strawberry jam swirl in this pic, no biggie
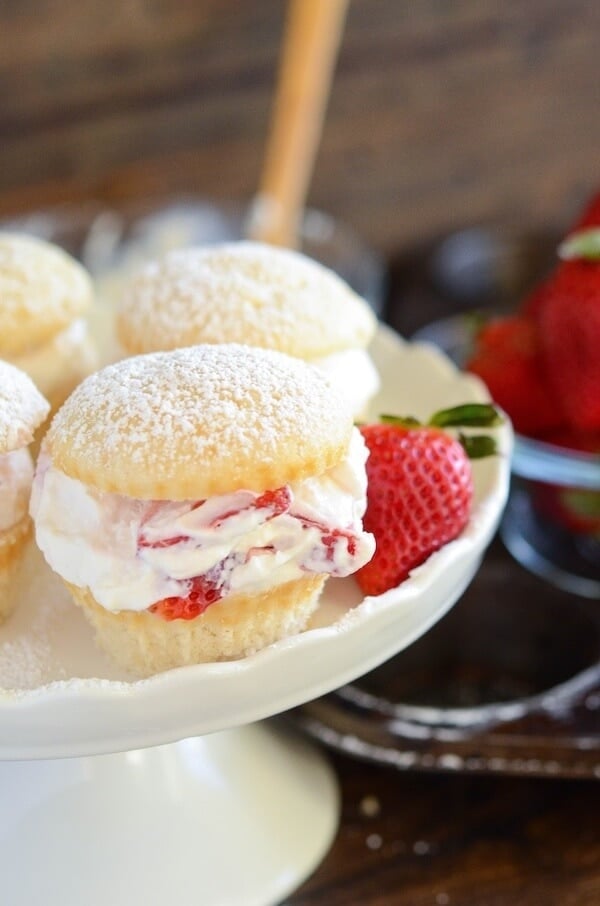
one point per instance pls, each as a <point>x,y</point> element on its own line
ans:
<point>176,558</point>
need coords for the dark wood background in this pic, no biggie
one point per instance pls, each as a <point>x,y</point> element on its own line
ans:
<point>442,112</point>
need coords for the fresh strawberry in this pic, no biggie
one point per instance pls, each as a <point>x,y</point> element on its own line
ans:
<point>507,357</point>
<point>570,339</point>
<point>573,440</point>
<point>575,509</point>
<point>419,492</point>
<point>203,593</point>
<point>533,303</point>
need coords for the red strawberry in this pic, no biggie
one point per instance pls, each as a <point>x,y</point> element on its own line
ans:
<point>573,440</point>
<point>534,302</point>
<point>570,338</point>
<point>507,358</point>
<point>575,509</point>
<point>203,593</point>
<point>419,493</point>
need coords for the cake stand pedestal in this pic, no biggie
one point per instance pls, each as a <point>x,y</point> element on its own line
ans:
<point>237,818</point>
<point>236,814</point>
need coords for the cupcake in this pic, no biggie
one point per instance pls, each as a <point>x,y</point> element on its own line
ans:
<point>195,501</point>
<point>22,410</point>
<point>256,294</point>
<point>44,294</point>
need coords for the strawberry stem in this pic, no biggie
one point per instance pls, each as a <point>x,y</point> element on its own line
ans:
<point>477,446</point>
<point>406,421</point>
<point>469,415</point>
<point>584,243</point>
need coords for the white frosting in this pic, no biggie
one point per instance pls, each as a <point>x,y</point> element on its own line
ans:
<point>353,374</point>
<point>48,364</point>
<point>132,553</point>
<point>16,474</point>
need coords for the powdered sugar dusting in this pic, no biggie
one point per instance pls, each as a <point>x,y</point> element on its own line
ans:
<point>22,408</point>
<point>42,289</point>
<point>243,292</point>
<point>201,413</point>
<point>23,660</point>
<point>47,639</point>
<point>25,655</point>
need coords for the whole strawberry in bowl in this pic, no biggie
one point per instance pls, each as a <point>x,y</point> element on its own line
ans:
<point>541,364</point>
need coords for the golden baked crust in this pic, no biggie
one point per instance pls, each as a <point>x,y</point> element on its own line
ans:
<point>57,367</point>
<point>244,292</point>
<point>42,289</point>
<point>66,358</point>
<point>144,643</point>
<point>13,543</point>
<point>201,421</point>
<point>22,408</point>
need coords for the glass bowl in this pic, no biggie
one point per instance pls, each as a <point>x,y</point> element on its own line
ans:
<point>551,523</point>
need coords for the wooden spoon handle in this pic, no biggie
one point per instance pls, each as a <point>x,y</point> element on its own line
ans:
<point>312,36</point>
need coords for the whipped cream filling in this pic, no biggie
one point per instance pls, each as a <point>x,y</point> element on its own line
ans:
<point>133,553</point>
<point>353,374</point>
<point>68,351</point>
<point>16,474</point>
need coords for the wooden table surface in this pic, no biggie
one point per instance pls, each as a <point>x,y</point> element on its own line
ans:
<point>446,840</point>
<point>441,114</point>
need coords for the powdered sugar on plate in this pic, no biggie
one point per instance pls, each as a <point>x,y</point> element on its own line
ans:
<point>47,638</point>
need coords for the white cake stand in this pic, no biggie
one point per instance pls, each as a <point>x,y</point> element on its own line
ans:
<point>203,805</point>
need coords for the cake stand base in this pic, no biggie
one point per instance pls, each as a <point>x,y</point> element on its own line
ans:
<point>238,818</point>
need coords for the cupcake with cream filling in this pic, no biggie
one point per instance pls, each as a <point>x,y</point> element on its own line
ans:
<point>44,295</point>
<point>196,501</point>
<point>256,294</point>
<point>22,409</point>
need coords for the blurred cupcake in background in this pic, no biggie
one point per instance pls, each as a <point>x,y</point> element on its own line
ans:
<point>44,295</point>
<point>258,295</point>
<point>22,410</point>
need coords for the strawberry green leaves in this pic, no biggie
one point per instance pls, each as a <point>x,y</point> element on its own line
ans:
<point>582,244</point>
<point>467,415</point>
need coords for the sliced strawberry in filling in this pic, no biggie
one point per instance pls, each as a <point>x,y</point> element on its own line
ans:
<point>276,502</point>
<point>214,585</point>
<point>162,542</point>
<point>204,592</point>
<point>331,539</point>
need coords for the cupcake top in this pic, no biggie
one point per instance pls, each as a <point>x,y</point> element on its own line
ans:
<point>42,290</point>
<point>200,421</point>
<point>243,292</point>
<point>22,408</point>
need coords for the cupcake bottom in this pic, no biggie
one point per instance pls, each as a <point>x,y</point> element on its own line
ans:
<point>232,628</point>
<point>13,542</point>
